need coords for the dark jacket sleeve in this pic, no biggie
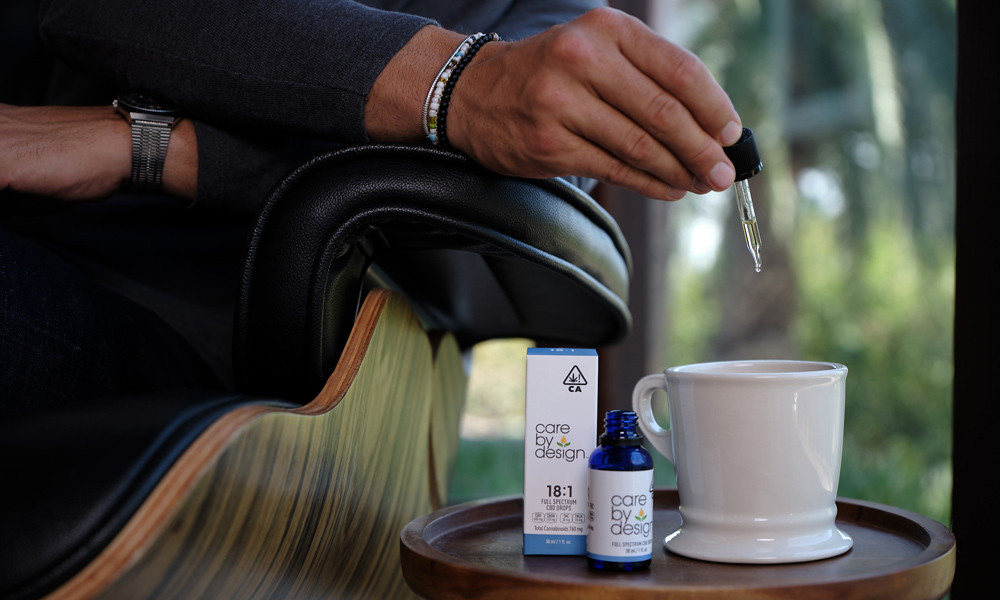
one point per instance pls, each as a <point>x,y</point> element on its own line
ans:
<point>236,171</point>
<point>264,79</point>
<point>269,66</point>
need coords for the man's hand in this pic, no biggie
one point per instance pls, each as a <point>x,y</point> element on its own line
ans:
<point>82,153</point>
<point>602,96</point>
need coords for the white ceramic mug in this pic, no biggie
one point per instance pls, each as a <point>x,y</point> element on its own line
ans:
<point>757,446</point>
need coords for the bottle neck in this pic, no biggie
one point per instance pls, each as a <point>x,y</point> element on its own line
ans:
<point>620,429</point>
<point>619,442</point>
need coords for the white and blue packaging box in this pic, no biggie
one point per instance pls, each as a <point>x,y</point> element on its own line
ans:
<point>560,432</point>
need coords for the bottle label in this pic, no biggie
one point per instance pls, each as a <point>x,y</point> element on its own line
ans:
<point>620,526</point>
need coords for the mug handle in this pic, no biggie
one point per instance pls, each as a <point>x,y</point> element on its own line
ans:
<point>642,404</point>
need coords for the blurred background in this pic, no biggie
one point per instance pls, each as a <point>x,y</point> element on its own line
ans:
<point>852,106</point>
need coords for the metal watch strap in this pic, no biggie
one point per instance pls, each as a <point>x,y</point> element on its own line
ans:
<point>149,151</point>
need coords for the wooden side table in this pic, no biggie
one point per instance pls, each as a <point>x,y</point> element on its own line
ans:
<point>475,551</point>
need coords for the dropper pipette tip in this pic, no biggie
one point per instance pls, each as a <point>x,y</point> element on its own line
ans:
<point>746,160</point>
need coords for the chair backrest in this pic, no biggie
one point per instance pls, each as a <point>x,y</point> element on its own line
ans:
<point>475,253</point>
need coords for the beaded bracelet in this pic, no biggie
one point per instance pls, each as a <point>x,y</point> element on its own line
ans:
<point>439,94</point>
<point>433,100</point>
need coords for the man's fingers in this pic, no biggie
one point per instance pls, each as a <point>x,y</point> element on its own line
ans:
<point>682,75</point>
<point>662,90</point>
<point>594,161</point>
<point>623,139</point>
<point>669,123</point>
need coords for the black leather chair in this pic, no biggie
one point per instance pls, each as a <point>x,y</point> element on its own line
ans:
<point>367,272</point>
<point>476,254</point>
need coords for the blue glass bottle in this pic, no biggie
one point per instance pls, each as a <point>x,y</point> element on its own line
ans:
<point>620,497</point>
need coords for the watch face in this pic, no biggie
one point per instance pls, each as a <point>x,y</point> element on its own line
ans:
<point>144,103</point>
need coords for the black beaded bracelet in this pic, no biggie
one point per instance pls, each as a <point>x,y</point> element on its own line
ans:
<point>441,137</point>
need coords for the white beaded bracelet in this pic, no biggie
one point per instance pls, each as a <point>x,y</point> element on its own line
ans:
<point>432,103</point>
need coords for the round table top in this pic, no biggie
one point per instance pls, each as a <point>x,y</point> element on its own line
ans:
<point>475,550</point>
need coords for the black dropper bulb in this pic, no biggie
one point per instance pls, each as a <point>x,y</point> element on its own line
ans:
<point>744,156</point>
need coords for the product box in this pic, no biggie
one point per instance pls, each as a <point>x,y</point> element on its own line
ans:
<point>560,432</point>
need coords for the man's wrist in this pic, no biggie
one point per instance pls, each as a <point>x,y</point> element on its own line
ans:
<point>394,109</point>
<point>180,166</point>
<point>471,85</point>
<point>152,122</point>
<point>116,134</point>
<point>180,170</point>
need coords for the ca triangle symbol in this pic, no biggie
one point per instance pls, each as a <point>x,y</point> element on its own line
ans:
<point>575,377</point>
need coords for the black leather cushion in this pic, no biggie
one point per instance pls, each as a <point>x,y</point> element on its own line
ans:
<point>475,253</point>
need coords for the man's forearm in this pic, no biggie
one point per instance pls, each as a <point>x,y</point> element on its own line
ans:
<point>83,153</point>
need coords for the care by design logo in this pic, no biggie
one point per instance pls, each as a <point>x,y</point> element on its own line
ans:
<point>551,442</point>
<point>623,512</point>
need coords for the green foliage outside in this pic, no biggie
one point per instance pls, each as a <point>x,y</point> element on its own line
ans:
<point>891,324</point>
<point>852,104</point>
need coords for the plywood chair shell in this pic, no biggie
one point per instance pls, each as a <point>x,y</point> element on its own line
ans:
<point>305,502</point>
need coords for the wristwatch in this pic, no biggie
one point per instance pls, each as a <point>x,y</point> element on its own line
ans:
<point>152,122</point>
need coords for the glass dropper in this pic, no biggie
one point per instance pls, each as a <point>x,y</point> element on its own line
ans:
<point>746,160</point>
